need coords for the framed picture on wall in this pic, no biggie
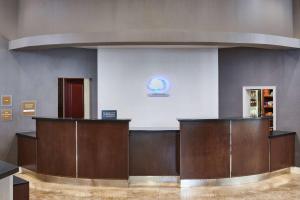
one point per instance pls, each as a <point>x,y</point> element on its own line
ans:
<point>28,108</point>
<point>6,114</point>
<point>6,100</point>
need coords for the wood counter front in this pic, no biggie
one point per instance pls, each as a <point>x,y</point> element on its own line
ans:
<point>103,149</point>
<point>154,153</point>
<point>223,148</point>
<point>282,151</point>
<point>56,147</point>
<point>204,149</point>
<point>250,147</point>
<point>78,148</point>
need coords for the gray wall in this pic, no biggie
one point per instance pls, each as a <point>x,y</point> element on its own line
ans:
<point>8,18</point>
<point>296,18</point>
<point>76,16</point>
<point>240,67</point>
<point>32,75</point>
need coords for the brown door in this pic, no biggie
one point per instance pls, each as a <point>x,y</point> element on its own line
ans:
<point>74,98</point>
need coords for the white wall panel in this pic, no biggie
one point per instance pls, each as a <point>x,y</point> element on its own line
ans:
<point>193,75</point>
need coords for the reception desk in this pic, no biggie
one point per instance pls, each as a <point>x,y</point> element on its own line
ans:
<point>202,149</point>
<point>223,148</point>
<point>77,148</point>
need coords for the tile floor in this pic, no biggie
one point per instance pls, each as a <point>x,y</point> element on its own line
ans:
<point>284,187</point>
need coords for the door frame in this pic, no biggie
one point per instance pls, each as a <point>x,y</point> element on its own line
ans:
<point>86,96</point>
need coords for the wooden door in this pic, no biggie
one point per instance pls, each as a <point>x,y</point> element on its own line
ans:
<point>74,98</point>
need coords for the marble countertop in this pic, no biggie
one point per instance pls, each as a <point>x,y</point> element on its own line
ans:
<point>30,134</point>
<point>281,133</point>
<point>80,119</point>
<point>225,118</point>
<point>7,169</point>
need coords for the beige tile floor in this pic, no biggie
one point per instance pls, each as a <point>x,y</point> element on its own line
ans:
<point>281,187</point>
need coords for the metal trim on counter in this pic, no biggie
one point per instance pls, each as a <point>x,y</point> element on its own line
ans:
<point>161,181</point>
<point>76,181</point>
<point>158,181</point>
<point>234,180</point>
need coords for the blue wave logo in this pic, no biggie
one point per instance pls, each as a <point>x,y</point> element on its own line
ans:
<point>158,86</point>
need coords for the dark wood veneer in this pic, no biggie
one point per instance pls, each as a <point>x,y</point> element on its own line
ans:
<point>20,189</point>
<point>282,152</point>
<point>56,148</point>
<point>21,192</point>
<point>27,152</point>
<point>103,149</point>
<point>204,149</point>
<point>154,153</point>
<point>250,147</point>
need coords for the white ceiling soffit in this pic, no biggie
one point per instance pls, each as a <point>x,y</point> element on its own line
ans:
<point>155,38</point>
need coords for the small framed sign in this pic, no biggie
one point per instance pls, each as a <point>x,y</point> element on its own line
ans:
<point>6,114</point>
<point>6,100</point>
<point>109,114</point>
<point>29,108</point>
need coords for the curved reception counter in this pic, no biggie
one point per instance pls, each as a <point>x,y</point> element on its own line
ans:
<point>74,148</point>
<point>201,152</point>
<point>6,180</point>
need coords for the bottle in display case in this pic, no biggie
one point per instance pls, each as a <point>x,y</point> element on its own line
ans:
<point>267,110</point>
<point>254,103</point>
<point>260,103</point>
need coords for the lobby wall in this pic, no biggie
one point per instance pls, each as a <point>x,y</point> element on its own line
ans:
<point>8,18</point>
<point>296,18</point>
<point>38,17</point>
<point>123,75</point>
<point>32,75</point>
<point>240,67</point>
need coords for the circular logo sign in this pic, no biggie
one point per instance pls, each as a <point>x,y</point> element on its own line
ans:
<point>158,86</point>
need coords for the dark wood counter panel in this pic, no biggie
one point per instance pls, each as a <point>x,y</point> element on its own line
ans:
<point>56,147</point>
<point>27,150</point>
<point>223,148</point>
<point>250,147</point>
<point>20,189</point>
<point>83,148</point>
<point>204,149</point>
<point>282,150</point>
<point>103,149</point>
<point>154,153</point>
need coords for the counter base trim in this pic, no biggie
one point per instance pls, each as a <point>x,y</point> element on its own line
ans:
<point>160,181</point>
<point>234,180</point>
<point>76,181</point>
<point>295,170</point>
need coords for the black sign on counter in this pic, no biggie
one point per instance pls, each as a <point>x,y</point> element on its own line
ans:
<point>109,114</point>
